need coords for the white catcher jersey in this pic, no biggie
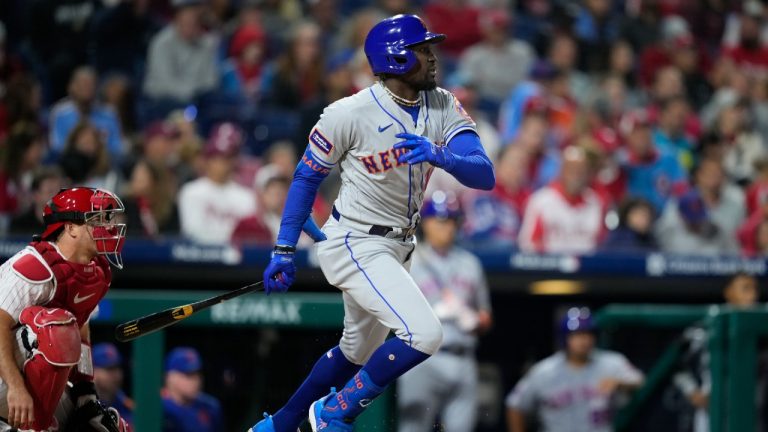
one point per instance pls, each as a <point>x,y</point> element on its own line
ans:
<point>358,133</point>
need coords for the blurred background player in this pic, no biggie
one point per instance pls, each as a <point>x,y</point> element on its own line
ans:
<point>574,389</point>
<point>444,387</point>
<point>108,378</point>
<point>48,292</point>
<point>694,379</point>
<point>185,407</point>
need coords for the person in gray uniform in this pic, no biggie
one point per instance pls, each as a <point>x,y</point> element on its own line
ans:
<point>387,140</point>
<point>444,388</point>
<point>575,389</point>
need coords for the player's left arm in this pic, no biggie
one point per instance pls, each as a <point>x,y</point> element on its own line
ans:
<point>622,376</point>
<point>463,157</point>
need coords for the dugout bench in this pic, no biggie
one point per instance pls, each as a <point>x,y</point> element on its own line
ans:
<point>296,310</point>
<point>733,342</point>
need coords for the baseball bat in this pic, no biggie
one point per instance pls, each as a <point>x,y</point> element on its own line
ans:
<point>159,320</point>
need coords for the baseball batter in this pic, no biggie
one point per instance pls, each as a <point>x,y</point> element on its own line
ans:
<point>452,280</point>
<point>387,139</point>
<point>48,292</point>
<point>574,389</point>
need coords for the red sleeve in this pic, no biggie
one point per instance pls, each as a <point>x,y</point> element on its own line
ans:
<point>748,231</point>
<point>537,234</point>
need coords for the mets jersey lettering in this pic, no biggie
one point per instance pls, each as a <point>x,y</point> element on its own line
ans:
<point>358,133</point>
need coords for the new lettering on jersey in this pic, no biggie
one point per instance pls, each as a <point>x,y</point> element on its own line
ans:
<point>358,132</point>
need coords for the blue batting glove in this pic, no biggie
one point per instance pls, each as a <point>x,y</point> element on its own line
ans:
<point>281,271</point>
<point>423,150</point>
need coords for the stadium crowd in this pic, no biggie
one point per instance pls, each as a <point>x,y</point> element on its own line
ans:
<point>620,126</point>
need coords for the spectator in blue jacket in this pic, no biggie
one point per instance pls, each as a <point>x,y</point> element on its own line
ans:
<point>81,104</point>
<point>635,230</point>
<point>651,174</point>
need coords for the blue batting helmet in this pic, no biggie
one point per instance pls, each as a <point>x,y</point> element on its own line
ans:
<point>441,205</point>
<point>387,44</point>
<point>576,320</point>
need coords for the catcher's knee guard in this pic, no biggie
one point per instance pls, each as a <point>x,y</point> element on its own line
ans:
<point>52,340</point>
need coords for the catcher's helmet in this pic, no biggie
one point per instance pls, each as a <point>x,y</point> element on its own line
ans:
<point>95,207</point>
<point>386,45</point>
<point>441,205</point>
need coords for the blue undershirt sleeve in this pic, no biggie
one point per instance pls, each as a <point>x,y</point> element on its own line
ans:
<point>471,165</point>
<point>301,195</point>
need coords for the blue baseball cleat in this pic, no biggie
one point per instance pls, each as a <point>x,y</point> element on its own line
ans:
<point>320,425</point>
<point>265,425</point>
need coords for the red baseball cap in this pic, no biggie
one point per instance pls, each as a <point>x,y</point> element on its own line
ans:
<point>225,140</point>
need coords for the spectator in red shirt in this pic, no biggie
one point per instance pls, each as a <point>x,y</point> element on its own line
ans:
<point>757,192</point>
<point>241,73</point>
<point>656,56</point>
<point>566,216</point>
<point>458,19</point>
<point>749,53</point>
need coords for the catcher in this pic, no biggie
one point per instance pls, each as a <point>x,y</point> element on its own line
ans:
<point>48,292</point>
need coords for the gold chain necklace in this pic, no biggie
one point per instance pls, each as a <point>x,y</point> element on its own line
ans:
<point>401,101</point>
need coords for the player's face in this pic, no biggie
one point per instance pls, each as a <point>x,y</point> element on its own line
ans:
<point>439,233</point>
<point>580,345</point>
<point>108,380</point>
<point>742,292</point>
<point>424,73</point>
<point>186,385</point>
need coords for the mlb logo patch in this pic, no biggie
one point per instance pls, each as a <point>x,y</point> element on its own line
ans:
<point>320,141</point>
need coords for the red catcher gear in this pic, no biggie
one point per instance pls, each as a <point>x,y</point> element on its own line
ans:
<point>95,207</point>
<point>79,287</point>
<point>53,338</point>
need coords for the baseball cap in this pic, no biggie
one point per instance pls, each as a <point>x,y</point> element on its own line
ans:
<point>692,207</point>
<point>160,129</point>
<point>183,359</point>
<point>245,35</point>
<point>106,355</point>
<point>441,205</point>
<point>225,140</point>
<point>495,19</point>
<point>631,121</point>
<point>543,70</point>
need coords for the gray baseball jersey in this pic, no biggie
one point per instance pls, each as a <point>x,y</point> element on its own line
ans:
<point>567,399</point>
<point>358,133</point>
<point>455,286</point>
<point>380,296</point>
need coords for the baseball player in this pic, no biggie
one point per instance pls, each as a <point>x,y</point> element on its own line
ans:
<point>453,282</point>
<point>574,389</point>
<point>48,292</point>
<point>386,139</point>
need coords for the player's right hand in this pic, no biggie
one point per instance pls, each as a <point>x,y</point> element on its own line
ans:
<point>21,408</point>
<point>281,271</point>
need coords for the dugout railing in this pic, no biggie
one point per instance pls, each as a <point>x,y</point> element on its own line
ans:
<point>320,311</point>
<point>733,336</point>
